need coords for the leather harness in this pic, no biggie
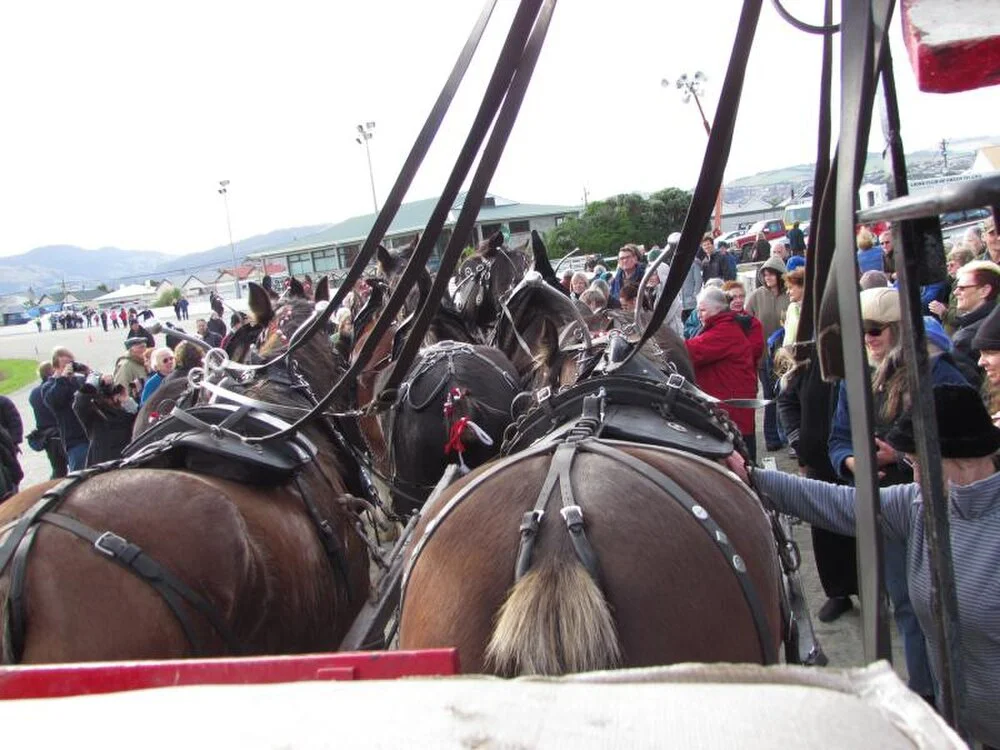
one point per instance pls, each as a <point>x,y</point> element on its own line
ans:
<point>219,441</point>
<point>563,450</point>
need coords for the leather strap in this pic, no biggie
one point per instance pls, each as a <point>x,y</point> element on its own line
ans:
<point>526,55</point>
<point>173,590</point>
<point>712,169</point>
<point>497,91</point>
<point>328,539</point>
<point>16,615</point>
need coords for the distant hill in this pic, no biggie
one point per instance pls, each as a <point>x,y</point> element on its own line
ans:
<point>222,256</point>
<point>48,268</point>
<point>798,178</point>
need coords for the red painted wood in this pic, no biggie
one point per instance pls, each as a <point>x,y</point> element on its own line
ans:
<point>953,46</point>
<point>56,680</point>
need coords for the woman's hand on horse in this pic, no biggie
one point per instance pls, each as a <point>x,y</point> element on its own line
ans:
<point>738,465</point>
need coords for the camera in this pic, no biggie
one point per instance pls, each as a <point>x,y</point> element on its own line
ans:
<point>79,367</point>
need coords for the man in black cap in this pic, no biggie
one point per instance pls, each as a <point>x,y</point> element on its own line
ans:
<point>130,370</point>
<point>969,443</point>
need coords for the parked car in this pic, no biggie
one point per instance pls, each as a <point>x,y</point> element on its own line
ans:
<point>728,237</point>
<point>772,229</point>
<point>963,217</point>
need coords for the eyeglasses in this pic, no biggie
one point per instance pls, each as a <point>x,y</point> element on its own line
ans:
<point>967,286</point>
<point>908,462</point>
<point>874,330</point>
<point>168,359</point>
<point>625,257</point>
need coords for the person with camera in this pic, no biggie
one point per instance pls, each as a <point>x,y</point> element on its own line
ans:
<point>107,414</point>
<point>45,436</point>
<point>57,394</point>
<point>130,370</point>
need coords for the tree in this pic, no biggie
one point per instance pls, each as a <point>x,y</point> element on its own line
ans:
<point>167,297</point>
<point>103,288</point>
<point>606,225</point>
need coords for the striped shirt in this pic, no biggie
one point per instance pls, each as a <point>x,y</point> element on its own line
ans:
<point>975,542</point>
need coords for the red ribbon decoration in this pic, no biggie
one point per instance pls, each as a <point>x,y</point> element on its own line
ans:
<point>455,437</point>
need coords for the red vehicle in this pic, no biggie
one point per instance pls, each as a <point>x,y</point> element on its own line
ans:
<point>772,229</point>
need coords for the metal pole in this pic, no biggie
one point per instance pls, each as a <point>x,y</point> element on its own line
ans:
<point>371,174</point>
<point>229,226</point>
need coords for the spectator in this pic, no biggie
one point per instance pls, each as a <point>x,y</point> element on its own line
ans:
<point>806,406</point>
<point>968,444</point>
<point>973,237</point>
<point>45,436</point>
<point>888,257</point>
<point>958,256</point>
<point>873,280</point>
<point>795,286</point>
<point>987,341</point>
<point>629,269</point>
<point>162,361</point>
<point>779,248</point>
<point>578,284</point>
<point>57,395</point>
<point>796,261</point>
<point>236,321</point>
<point>104,320</point>
<point>11,435</point>
<point>107,414</point>
<point>594,299</point>
<point>737,294</point>
<point>602,286</point>
<point>716,264</point>
<point>723,358</point>
<point>566,282</point>
<point>976,287</point>
<point>881,318</point>
<point>761,249</point>
<point>211,338</point>
<point>870,258</point>
<point>184,307</point>
<point>217,325</point>
<point>215,302</point>
<point>729,255</point>
<point>992,241</point>
<point>130,369</point>
<point>123,317</point>
<point>692,283</point>
<point>768,304</point>
<point>628,298</point>
<point>796,240</point>
<point>136,329</point>
<point>114,319</point>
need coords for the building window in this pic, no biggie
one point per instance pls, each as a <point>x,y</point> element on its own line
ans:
<point>489,230</point>
<point>559,220</point>
<point>325,260</point>
<point>300,264</point>
<point>520,227</point>
<point>347,255</point>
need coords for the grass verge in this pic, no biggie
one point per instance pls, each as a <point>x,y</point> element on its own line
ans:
<point>16,373</point>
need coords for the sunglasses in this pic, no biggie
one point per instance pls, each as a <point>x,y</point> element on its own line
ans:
<point>874,330</point>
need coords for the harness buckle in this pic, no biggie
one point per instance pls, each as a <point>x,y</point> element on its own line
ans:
<point>573,516</point>
<point>543,394</point>
<point>676,381</point>
<point>110,544</point>
<point>530,521</point>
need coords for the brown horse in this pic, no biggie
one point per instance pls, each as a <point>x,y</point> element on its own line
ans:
<point>483,279</point>
<point>664,590</point>
<point>252,554</point>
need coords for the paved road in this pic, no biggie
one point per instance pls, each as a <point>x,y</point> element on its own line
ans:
<point>841,640</point>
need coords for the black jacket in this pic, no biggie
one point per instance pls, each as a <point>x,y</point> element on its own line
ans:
<point>216,325</point>
<point>806,407</point>
<point>57,393</point>
<point>44,418</point>
<point>108,426</point>
<point>968,325</point>
<point>10,420</point>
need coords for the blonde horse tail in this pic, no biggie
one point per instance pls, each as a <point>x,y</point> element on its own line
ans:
<point>555,620</point>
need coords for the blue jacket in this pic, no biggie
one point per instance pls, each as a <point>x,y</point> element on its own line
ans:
<point>619,280</point>
<point>943,372</point>
<point>152,383</point>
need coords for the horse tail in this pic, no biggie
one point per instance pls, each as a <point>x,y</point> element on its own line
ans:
<point>555,620</point>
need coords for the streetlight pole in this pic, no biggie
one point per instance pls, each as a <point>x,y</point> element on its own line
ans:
<point>224,192</point>
<point>692,86</point>
<point>365,133</point>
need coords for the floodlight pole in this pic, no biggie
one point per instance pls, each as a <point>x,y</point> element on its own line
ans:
<point>365,133</point>
<point>224,192</point>
<point>691,86</point>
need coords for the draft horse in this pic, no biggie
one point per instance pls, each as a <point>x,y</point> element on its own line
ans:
<point>150,563</point>
<point>599,546</point>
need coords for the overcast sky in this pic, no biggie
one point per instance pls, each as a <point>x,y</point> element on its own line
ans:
<point>121,118</point>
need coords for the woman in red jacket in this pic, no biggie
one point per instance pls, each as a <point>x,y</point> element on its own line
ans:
<point>723,360</point>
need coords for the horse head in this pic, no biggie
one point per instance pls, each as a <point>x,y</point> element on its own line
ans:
<point>280,324</point>
<point>484,278</point>
<point>392,264</point>
<point>542,332</point>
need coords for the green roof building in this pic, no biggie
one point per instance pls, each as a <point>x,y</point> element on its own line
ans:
<point>332,250</point>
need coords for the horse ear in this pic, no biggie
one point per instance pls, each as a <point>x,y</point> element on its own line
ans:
<point>260,304</point>
<point>384,258</point>
<point>322,293</point>
<point>295,289</point>
<point>540,261</point>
